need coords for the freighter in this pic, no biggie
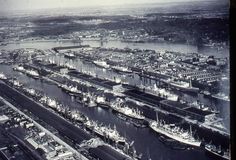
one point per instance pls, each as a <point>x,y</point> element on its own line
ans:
<point>161,92</point>
<point>104,131</point>
<point>49,102</point>
<point>70,89</point>
<point>31,73</point>
<point>69,66</point>
<point>182,85</point>
<point>101,64</point>
<point>121,69</point>
<point>69,55</point>
<point>174,132</point>
<point>101,101</point>
<point>216,153</point>
<point>126,111</point>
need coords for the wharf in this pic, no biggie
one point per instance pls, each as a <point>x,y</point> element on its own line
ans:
<point>64,127</point>
<point>69,47</point>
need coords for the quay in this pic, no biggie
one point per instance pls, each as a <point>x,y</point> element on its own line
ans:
<point>63,127</point>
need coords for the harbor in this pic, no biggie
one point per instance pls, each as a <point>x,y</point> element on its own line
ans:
<point>117,80</point>
<point>92,92</point>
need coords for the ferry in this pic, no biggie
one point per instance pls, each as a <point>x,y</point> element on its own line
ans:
<point>174,132</point>
<point>216,153</point>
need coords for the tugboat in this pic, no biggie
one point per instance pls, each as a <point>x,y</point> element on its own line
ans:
<point>174,132</point>
<point>216,153</point>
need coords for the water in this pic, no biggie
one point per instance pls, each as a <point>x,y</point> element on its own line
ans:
<point>158,46</point>
<point>145,140</point>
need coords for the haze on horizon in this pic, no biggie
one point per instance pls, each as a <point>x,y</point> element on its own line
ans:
<point>12,5</point>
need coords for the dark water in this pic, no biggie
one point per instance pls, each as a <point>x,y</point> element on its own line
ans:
<point>158,46</point>
<point>145,140</point>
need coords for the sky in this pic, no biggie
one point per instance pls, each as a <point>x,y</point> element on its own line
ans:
<point>10,5</point>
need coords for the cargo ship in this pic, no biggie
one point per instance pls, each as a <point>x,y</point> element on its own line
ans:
<point>160,92</point>
<point>104,131</point>
<point>121,69</point>
<point>126,111</point>
<point>70,89</point>
<point>69,55</point>
<point>31,73</point>
<point>182,85</point>
<point>101,64</point>
<point>174,132</point>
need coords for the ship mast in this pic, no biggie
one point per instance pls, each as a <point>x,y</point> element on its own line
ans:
<point>190,82</point>
<point>157,117</point>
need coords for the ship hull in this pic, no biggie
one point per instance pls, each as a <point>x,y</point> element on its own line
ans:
<point>69,92</point>
<point>159,131</point>
<point>128,116</point>
<point>185,89</point>
<point>215,155</point>
<point>220,99</point>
